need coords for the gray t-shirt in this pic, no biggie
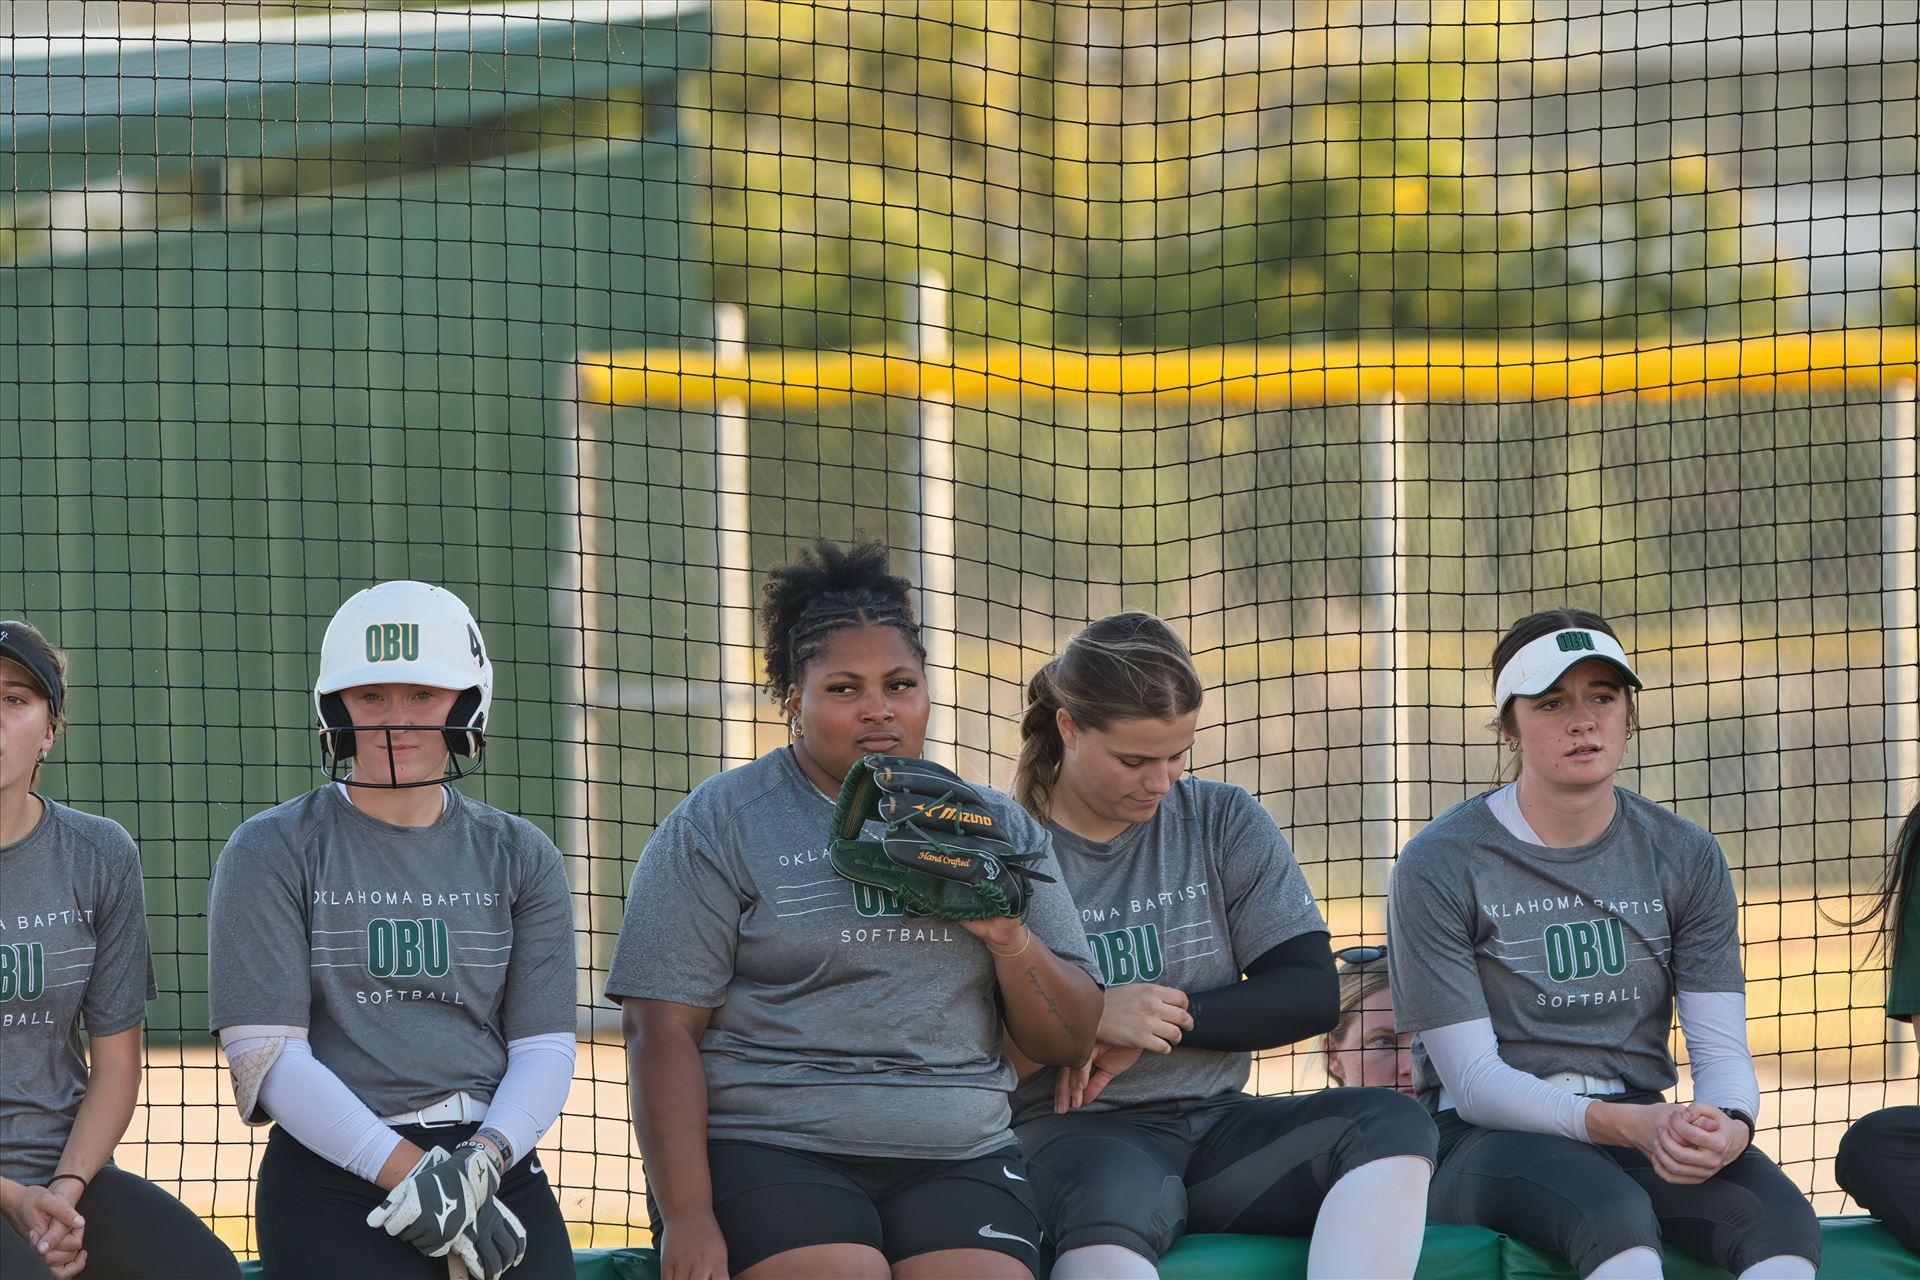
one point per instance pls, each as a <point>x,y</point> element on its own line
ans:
<point>839,1024</point>
<point>1574,954</point>
<point>1185,899</point>
<point>412,955</point>
<point>73,947</point>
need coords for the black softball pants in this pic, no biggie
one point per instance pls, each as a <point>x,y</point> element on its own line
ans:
<point>134,1231</point>
<point>1588,1203</point>
<point>1878,1164</point>
<point>1139,1176</point>
<point>312,1217</point>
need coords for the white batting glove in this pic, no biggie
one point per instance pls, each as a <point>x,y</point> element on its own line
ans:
<point>494,1244</point>
<point>439,1198</point>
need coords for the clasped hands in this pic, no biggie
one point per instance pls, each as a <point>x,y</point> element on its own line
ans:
<point>1685,1144</point>
<point>446,1203</point>
<point>45,1218</point>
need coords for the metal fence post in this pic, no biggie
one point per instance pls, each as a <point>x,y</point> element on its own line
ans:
<point>734,553</point>
<point>938,579</point>
<point>1385,689</point>
<point>1900,599</point>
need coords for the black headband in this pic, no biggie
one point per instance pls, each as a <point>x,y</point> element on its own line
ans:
<point>29,651</point>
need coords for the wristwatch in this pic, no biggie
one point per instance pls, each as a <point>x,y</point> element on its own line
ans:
<point>1743,1118</point>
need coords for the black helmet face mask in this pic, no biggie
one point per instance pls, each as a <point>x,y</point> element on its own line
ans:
<point>403,633</point>
<point>342,741</point>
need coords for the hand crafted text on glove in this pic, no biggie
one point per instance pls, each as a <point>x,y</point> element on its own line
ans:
<point>943,852</point>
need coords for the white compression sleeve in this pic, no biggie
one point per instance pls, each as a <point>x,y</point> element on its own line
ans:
<point>306,1099</point>
<point>1504,805</point>
<point>1489,1093</point>
<point>529,1096</point>
<point>1714,1025</point>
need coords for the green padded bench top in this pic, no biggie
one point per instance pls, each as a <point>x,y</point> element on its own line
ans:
<point>1854,1248</point>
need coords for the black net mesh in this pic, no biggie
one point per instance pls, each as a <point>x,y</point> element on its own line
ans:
<point>1339,334</point>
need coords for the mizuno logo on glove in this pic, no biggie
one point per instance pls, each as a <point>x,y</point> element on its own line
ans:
<point>954,813</point>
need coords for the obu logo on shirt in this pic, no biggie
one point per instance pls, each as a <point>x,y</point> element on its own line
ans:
<point>871,901</point>
<point>23,971</point>
<point>407,948</point>
<point>1574,641</point>
<point>1585,948</point>
<point>1129,955</point>
<point>392,641</point>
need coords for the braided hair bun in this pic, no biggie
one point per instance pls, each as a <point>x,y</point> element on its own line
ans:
<point>823,589</point>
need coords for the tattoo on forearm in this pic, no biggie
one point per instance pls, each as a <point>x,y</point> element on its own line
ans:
<point>1053,1006</point>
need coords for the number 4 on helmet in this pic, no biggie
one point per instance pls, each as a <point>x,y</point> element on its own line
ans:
<point>403,633</point>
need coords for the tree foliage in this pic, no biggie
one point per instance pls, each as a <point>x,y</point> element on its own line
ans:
<point>1156,176</point>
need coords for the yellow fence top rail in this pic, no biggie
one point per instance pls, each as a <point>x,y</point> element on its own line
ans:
<point>1415,369</point>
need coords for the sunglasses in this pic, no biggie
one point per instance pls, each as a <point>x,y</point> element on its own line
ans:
<point>1361,955</point>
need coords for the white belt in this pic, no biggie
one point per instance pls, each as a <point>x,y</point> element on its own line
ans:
<point>1572,1081</point>
<point>455,1108</point>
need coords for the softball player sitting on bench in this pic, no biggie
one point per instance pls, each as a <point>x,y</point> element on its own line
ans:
<point>1542,935</point>
<point>1364,1048</point>
<point>1183,887</point>
<point>1878,1162</point>
<point>391,973</point>
<point>817,1077</point>
<point>73,949</point>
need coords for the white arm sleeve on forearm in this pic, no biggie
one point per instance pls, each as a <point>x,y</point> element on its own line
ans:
<point>531,1093</point>
<point>306,1099</point>
<point>1493,1095</point>
<point>1714,1025</point>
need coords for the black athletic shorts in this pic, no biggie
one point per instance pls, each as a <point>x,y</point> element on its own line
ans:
<point>1878,1164</point>
<point>312,1216</point>
<point>1588,1203</point>
<point>134,1231</point>
<point>1139,1176</point>
<point>770,1199</point>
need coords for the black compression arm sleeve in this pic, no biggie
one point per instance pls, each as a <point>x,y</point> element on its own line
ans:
<point>1290,992</point>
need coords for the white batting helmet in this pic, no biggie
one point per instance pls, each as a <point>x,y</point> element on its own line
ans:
<point>404,633</point>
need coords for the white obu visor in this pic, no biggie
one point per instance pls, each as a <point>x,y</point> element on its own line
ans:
<point>1540,664</point>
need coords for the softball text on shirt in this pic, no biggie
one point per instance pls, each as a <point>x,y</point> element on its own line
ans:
<point>1574,954</point>
<point>839,1024</point>
<point>73,950</point>
<point>1185,900</point>
<point>411,954</point>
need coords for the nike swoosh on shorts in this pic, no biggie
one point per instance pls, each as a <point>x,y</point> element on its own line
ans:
<point>1011,1174</point>
<point>991,1234</point>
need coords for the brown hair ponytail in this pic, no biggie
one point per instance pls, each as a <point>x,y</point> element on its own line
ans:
<point>1129,666</point>
<point>1041,749</point>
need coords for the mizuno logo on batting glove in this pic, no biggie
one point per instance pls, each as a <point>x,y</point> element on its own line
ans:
<point>439,1198</point>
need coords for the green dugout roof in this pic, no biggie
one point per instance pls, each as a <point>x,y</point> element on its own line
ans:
<point>86,109</point>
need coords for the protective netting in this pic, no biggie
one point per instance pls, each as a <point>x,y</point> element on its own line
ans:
<point>1339,334</point>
